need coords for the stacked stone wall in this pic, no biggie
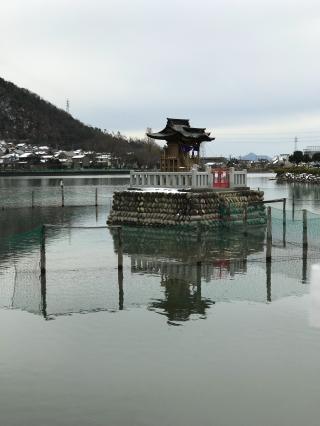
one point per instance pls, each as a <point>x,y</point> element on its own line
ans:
<point>209,208</point>
<point>233,204</point>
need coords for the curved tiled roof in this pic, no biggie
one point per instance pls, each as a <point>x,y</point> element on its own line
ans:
<point>180,129</point>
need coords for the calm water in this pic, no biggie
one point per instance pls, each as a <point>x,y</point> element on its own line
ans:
<point>195,332</point>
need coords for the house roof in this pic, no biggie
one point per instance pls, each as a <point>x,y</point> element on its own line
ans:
<point>27,155</point>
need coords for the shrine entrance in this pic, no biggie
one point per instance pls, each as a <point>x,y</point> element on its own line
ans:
<point>221,178</point>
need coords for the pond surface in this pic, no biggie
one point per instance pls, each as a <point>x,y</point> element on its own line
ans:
<point>195,331</point>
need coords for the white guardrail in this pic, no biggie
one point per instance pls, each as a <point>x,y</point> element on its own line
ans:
<point>238,179</point>
<point>181,180</point>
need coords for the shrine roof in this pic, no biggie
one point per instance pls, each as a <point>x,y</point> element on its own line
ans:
<point>180,129</point>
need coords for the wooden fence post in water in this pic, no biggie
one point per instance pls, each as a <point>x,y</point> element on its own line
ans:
<point>62,192</point>
<point>120,249</point>
<point>43,250</point>
<point>269,235</point>
<point>96,200</point>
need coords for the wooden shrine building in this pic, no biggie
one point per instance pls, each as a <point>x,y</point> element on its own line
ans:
<point>183,145</point>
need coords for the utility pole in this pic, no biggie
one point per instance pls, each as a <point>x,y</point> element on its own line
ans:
<point>296,143</point>
<point>148,131</point>
<point>202,150</point>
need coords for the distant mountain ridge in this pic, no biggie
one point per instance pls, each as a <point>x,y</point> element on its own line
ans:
<point>25,117</point>
<point>254,157</point>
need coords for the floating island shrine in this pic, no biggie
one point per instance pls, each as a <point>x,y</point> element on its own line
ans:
<point>181,195</point>
<point>183,145</point>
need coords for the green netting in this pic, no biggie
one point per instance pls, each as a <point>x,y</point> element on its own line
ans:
<point>20,270</point>
<point>75,195</point>
<point>81,270</point>
<point>290,228</point>
<point>82,267</point>
<point>18,238</point>
<point>13,247</point>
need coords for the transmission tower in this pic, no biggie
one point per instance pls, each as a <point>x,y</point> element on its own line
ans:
<point>68,106</point>
<point>296,143</point>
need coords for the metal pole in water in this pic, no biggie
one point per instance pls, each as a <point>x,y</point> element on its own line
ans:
<point>62,192</point>
<point>284,222</point>
<point>199,273</point>
<point>96,203</point>
<point>43,273</point>
<point>268,273</point>
<point>198,290</point>
<point>120,286</point>
<point>304,246</point>
<point>284,210</point>
<point>305,266</point>
<point>43,250</point>
<point>120,249</point>
<point>120,268</point>
<point>269,235</point>
<point>305,229</point>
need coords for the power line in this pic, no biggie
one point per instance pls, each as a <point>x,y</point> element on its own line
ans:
<point>267,132</point>
<point>263,136</point>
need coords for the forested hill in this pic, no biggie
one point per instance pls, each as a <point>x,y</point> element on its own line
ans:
<point>24,116</point>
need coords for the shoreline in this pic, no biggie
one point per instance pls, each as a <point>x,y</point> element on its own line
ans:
<point>34,173</point>
<point>299,178</point>
<point>86,172</point>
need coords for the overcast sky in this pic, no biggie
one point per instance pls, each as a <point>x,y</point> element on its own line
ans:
<point>247,70</point>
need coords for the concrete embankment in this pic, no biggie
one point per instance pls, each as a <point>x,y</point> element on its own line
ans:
<point>187,208</point>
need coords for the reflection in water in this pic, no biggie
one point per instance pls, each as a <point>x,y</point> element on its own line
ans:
<point>176,274</point>
<point>183,259</point>
<point>301,195</point>
<point>182,299</point>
